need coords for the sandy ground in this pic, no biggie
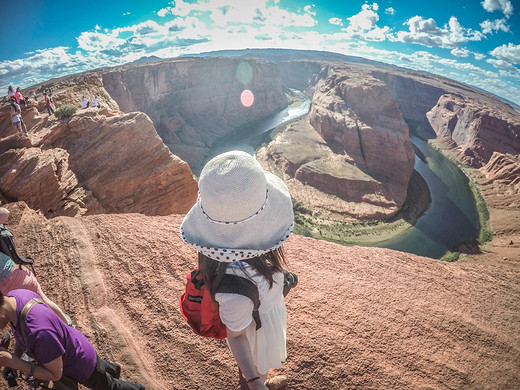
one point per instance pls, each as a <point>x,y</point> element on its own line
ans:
<point>360,318</point>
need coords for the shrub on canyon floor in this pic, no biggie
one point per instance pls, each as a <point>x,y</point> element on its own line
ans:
<point>65,111</point>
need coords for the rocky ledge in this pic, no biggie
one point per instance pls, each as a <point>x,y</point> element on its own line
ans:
<point>478,128</point>
<point>97,161</point>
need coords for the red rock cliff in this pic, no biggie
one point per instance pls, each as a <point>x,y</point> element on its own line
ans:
<point>360,152</point>
<point>96,161</point>
<point>478,128</point>
<point>195,102</point>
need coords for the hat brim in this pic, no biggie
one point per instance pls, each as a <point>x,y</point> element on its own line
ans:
<point>228,242</point>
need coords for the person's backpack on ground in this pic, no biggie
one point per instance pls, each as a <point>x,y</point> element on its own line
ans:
<point>7,247</point>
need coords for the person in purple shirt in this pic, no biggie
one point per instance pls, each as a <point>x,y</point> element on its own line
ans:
<point>59,349</point>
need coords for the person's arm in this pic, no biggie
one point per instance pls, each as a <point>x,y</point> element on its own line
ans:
<point>242,352</point>
<point>51,371</point>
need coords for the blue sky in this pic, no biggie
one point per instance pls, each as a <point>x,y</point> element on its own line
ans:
<point>472,41</point>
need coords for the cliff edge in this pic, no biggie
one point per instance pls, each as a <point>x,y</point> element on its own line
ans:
<point>359,318</point>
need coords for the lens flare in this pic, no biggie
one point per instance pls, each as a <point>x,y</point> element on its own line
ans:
<point>247,98</point>
<point>244,73</point>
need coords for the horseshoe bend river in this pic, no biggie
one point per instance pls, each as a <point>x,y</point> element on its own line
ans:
<point>452,216</point>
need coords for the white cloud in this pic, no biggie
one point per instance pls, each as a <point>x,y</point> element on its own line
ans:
<point>364,20</point>
<point>336,21</point>
<point>500,64</point>
<point>426,32</point>
<point>96,41</point>
<point>180,8</point>
<point>509,53</point>
<point>364,24</point>
<point>148,27</point>
<point>390,11</point>
<point>503,6</point>
<point>490,26</point>
<point>246,12</point>
<point>479,56</point>
<point>515,74</point>
<point>225,12</point>
<point>309,9</point>
<point>460,52</point>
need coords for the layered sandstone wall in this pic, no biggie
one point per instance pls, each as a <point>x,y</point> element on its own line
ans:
<point>478,128</point>
<point>415,96</point>
<point>195,102</point>
<point>300,75</point>
<point>98,161</point>
<point>356,149</point>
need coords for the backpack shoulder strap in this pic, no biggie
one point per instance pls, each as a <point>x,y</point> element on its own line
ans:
<point>23,318</point>
<point>234,284</point>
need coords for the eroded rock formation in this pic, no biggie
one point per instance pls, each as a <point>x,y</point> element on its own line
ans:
<point>361,153</point>
<point>98,161</point>
<point>477,128</point>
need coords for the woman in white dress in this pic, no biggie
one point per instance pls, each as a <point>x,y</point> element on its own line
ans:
<point>241,219</point>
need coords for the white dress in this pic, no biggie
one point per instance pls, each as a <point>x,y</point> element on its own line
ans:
<point>267,343</point>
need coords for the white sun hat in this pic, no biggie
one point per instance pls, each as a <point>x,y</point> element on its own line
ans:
<point>242,211</point>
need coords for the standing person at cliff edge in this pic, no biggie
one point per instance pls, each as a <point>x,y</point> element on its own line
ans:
<point>241,219</point>
<point>48,103</point>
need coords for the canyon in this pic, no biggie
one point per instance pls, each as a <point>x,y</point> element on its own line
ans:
<point>97,199</point>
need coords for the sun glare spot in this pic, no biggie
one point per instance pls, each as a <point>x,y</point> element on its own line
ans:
<point>244,73</point>
<point>247,98</point>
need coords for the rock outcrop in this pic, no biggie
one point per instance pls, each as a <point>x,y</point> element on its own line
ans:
<point>195,102</point>
<point>98,161</point>
<point>478,129</point>
<point>361,154</point>
<point>503,169</point>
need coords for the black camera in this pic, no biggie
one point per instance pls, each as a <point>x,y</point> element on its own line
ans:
<point>290,280</point>
<point>8,372</point>
<point>10,377</point>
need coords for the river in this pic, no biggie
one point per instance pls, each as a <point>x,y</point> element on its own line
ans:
<point>451,217</point>
<point>245,139</point>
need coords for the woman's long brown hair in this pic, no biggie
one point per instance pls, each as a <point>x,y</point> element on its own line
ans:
<point>267,264</point>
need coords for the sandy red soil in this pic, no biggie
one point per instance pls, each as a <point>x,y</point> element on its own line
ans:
<point>360,318</point>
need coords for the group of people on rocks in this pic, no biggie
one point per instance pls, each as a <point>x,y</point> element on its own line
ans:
<point>15,99</point>
<point>238,225</point>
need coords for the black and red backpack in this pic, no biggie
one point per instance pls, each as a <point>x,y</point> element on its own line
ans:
<point>202,313</point>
